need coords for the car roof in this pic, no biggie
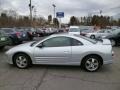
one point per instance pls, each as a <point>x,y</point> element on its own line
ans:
<point>61,34</point>
<point>65,34</point>
<point>77,37</point>
<point>74,26</point>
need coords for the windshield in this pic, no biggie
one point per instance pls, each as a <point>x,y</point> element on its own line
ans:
<point>74,30</point>
<point>7,30</point>
<point>85,30</point>
<point>35,42</point>
<point>116,31</point>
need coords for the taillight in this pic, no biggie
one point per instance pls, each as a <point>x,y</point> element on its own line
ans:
<point>30,33</point>
<point>18,34</point>
<point>112,53</point>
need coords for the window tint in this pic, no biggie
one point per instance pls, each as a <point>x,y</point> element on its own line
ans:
<point>88,39</point>
<point>75,42</point>
<point>57,42</point>
<point>74,30</point>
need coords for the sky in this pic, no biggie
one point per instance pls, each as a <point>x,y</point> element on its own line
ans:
<point>70,8</point>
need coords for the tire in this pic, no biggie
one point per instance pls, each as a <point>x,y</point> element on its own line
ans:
<point>91,63</point>
<point>113,42</point>
<point>92,36</point>
<point>2,47</point>
<point>19,42</point>
<point>11,41</point>
<point>22,61</point>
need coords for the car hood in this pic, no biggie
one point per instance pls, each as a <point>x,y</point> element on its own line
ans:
<point>22,48</point>
<point>24,45</point>
<point>74,33</point>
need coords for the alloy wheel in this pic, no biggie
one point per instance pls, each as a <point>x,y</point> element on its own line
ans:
<point>21,61</point>
<point>92,64</point>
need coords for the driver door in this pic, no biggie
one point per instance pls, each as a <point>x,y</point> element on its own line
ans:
<point>56,50</point>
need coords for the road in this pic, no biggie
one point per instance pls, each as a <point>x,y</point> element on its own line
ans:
<point>44,77</point>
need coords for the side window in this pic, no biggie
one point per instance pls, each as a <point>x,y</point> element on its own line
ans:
<point>76,42</point>
<point>57,42</point>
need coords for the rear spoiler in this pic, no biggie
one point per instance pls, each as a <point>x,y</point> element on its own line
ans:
<point>106,42</point>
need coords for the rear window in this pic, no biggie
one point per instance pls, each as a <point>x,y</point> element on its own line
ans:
<point>88,39</point>
<point>85,30</point>
<point>74,30</point>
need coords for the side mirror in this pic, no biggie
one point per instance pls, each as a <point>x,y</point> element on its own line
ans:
<point>40,45</point>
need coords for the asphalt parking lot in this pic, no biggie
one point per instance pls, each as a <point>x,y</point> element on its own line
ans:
<point>59,77</point>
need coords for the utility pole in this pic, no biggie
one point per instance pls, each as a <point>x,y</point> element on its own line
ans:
<point>0,8</point>
<point>101,12</point>
<point>35,13</point>
<point>35,17</point>
<point>54,6</point>
<point>31,8</point>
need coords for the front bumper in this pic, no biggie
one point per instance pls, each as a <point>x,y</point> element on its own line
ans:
<point>9,59</point>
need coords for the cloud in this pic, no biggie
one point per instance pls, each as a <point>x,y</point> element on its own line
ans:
<point>70,7</point>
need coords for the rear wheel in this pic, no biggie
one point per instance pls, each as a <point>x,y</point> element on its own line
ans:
<point>22,61</point>
<point>91,63</point>
<point>92,36</point>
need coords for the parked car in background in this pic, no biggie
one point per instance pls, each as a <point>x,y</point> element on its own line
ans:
<point>114,37</point>
<point>61,30</point>
<point>74,30</point>
<point>31,32</point>
<point>98,34</point>
<point>40,32</point>
<point>24,34</point>
<point>84,32</point>
<point>49,31</point>
<point>4,40</point>
<point>63,49</point>
<point>15,36</point>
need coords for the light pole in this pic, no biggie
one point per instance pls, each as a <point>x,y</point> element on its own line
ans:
<point>54,6</point>
<point>101,12</point>
<point>31,8</point>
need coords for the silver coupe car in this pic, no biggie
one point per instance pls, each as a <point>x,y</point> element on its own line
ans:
<point>62,49</point>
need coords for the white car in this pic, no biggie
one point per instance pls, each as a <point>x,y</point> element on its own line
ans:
<point>63,49</point>
<point>74,30</point>
<point>99,34</point>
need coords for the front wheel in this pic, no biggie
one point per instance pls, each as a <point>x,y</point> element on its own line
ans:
<point>91,63</point>
<point>22,61</point>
